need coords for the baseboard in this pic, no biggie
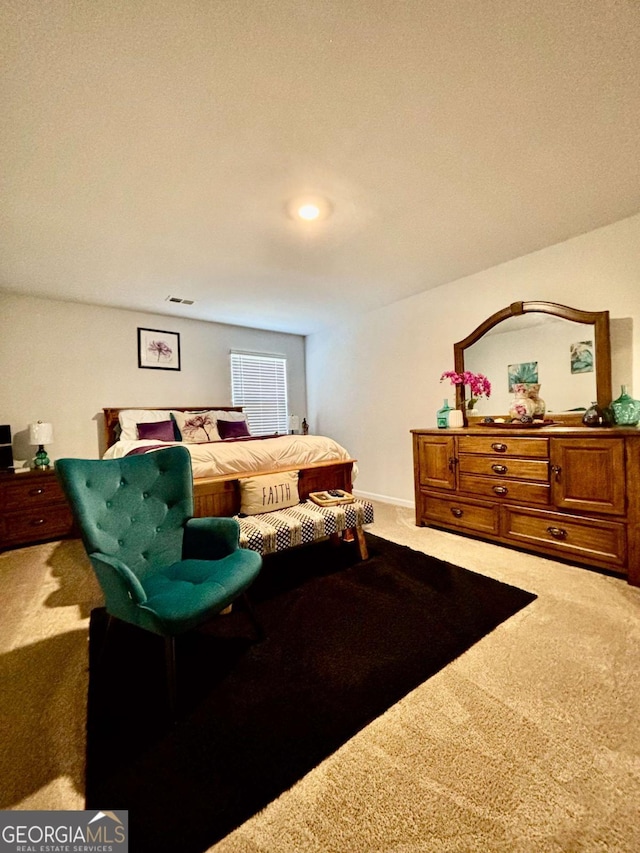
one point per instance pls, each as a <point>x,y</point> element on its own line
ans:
<point>385,499</point>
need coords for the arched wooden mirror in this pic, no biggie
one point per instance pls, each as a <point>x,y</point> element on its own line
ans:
<point>566,350</point>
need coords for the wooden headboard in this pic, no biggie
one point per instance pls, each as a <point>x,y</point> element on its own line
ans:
<point>112,424</point>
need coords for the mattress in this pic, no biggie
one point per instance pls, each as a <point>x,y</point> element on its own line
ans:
<point>247,456</point>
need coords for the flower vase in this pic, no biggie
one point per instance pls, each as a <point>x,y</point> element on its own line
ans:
<point>539,406</point>
<point>522,406</point>
<point>467,409</point>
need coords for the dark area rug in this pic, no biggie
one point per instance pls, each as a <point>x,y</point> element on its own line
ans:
<point>345,641</point>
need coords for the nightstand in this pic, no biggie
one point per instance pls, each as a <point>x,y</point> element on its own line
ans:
<point>32,509</point>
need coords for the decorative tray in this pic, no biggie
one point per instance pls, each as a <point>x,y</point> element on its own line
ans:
<point>332,497</point>
<point>509,425</point>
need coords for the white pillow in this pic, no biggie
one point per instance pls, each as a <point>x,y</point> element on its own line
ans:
<point>229,416</point>
<point>268,492</point>
<point>197,427</point>
<point>130,418</point>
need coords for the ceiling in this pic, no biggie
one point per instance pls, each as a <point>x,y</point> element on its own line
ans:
<point>150,148</point>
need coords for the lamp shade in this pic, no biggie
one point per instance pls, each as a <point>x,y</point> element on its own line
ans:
<point>40,433</point>
<point>294,423</point>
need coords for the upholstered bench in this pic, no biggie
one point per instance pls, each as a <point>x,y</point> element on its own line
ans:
<point>303,523</point>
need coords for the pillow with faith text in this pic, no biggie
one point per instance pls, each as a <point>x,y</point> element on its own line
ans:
<point>268,492</point>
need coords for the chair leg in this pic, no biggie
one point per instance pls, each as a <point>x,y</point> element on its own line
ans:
<point>170,657</point>
<point>252,614</point>
<point>103,642</point>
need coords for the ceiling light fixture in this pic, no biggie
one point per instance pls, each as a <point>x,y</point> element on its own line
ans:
<point>308,212</point>
<point>309,208</point>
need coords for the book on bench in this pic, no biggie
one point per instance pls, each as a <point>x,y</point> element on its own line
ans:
<point>331,497</point>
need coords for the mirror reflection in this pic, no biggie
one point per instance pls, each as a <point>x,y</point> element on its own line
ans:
<point>558,354</point>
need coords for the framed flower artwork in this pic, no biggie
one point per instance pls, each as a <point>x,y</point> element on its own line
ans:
<point>158,350</point>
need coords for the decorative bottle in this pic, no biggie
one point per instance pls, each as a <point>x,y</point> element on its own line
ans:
<point>442,416</point>
<point>596,417</point>
<point>626,410</point>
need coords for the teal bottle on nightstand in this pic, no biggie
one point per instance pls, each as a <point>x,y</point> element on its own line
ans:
<point>442,416</point>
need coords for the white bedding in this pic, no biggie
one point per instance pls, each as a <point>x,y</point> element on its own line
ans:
<point>217,458</point>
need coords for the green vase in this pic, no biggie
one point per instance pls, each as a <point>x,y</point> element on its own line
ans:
<point>626,410</point>
<point>442,416</point>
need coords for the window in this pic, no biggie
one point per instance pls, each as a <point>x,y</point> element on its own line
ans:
<point>259,385</point>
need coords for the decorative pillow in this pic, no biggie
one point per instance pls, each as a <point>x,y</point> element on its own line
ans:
<point>197,427</point>
<point>130,418</point>
<point>268,492</point>
<point>161,431</point>
<point>232,429</point>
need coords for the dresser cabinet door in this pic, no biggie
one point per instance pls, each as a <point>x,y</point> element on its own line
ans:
<point>437,462</point>
<point>588,475</point>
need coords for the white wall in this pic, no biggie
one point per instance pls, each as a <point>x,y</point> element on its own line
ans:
<point>374,378</point>
<point>63,362</point>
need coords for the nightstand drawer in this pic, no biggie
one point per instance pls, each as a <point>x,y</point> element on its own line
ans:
<point>35,526</point>
<point>24,494</point>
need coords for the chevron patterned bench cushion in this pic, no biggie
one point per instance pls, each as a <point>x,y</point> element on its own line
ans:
<point>301,524</point>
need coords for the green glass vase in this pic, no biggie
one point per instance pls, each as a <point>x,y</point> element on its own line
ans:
<point>442,416</point>
<point>626,410</point>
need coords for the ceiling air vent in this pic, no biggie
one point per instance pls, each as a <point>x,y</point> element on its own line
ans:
<point>179,300</point>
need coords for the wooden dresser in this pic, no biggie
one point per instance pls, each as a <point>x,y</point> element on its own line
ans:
<point>32,509</point>
<point>569,492</point>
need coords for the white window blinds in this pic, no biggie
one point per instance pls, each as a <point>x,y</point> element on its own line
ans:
<point>259,385</point>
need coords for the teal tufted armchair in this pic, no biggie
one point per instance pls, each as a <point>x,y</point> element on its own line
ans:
<point>159,568</point>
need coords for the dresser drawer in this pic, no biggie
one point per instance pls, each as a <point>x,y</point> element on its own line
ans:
<point>464,514</point>
<point>37,525</point>
<point>583,538</point>
<point>507,446</point>
<point>519,469</point>
<point>32,492</point>
<point>506,490</point>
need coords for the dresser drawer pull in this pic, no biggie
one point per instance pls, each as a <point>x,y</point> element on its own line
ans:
<point>557,532</point>
<point>499,447</point>
<point>456,512</point>
<point>452,463</point>
<point>499,469</point>
<point>35,492</point>
<point>556,470</point>
<point>500,490</point>
<point>36,522</point>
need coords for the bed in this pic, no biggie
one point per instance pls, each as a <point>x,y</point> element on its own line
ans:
<point>220,464</point>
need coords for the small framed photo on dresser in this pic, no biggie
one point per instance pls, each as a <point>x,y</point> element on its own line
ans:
<point>158,350</point>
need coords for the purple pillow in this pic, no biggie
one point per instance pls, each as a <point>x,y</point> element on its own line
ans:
<point>160,431</point>
<point>232,429</point>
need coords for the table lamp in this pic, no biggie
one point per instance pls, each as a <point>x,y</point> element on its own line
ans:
<point>41,434</point>
<point>294,424</point>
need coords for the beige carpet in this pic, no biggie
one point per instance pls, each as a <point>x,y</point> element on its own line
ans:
<point>528,742</point>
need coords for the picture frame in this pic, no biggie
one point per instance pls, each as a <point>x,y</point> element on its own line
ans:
<point>526,372</point>
<point>158,349</point>
<point>581,355</point>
